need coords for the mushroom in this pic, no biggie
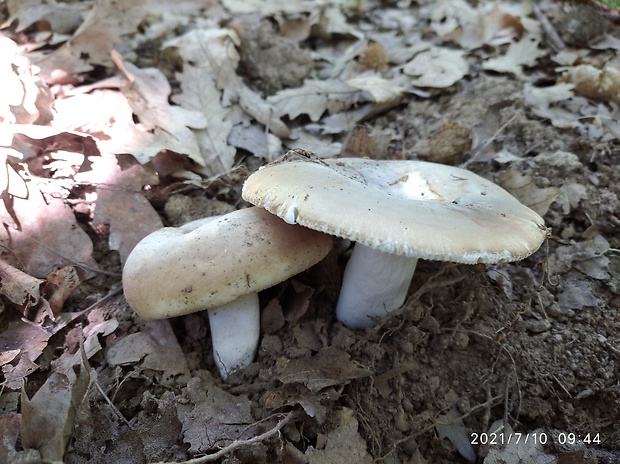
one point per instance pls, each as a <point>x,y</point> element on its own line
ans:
<point>219,264</point>
<point>397,212</point>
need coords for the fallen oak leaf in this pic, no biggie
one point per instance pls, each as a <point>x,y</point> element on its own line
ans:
<point>202,95</point>
<point>519,54</point>
<point>94,40</point>
<point>314,98</point>
<point>148,91</point>
<point>437,67</point>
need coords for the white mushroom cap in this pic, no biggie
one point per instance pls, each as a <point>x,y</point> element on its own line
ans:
<point>213,261</point>
<point>219,263</point>
<point>407,208</point>
<point>412,208</point>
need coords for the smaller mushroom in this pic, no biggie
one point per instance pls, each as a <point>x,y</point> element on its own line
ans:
<point>397,212</point>
<point>219,264</point>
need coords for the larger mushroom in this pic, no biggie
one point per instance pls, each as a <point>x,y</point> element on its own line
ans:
<point>219,264</point>
<point>397,212</point>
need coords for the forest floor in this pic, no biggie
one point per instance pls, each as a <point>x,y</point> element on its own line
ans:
<point>116,120</point>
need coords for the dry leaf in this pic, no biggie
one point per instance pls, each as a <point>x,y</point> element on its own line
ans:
<point>213,418</point>
<point>254,139</point>
<point>10,181</point>
<point>209,55</point>
<point>112,115</point>
<point>578,294</point>
<point>214,57</point>
<point>48,236</point>
<point>94,40</point>
<point>588,257</point>
<point>271,317</point>
<point>277,7</point>
<point>333,21</point>
<point>18,287</point>
<point>451,426</point>
<point>264,111</point>
<point>598,84</point>
<point>384,92</point>
<point>201,94</point>
<point>14,376</point>
<point>437,67</point>
<point>523,188</point>
<point>344,443</point>
<point>489,23</point>
<point>155,347</point>
<point>542,97</point>
<point>99,326</point>
<point>58,287</point>
<point>296,300</point>
<point>22,339</point>
<point>525,52</point>
<point>120,202</point>
<point>323,146</point>
<point>314,98</point>
<point>47,418</point>
<point>24,99</point>
<point>541,100</point>
<point>329,367</point>
<point>63,18</point>
<point>306,336</point>
<point>148,91</point>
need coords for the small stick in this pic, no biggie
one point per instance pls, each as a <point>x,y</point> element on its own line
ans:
<point>242,443</point>
<point>554,38</point>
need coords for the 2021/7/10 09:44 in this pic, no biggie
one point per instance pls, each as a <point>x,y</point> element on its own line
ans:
<point>563,438</point>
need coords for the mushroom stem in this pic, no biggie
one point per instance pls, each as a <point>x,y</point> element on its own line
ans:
<point>235,330</point>
<point>374,284</point>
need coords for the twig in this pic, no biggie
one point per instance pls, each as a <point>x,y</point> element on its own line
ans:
<point>93,379</point>
<point>488,142</point>
<point>554,38</point>
<point>242,443</point>
<point>114,408</point>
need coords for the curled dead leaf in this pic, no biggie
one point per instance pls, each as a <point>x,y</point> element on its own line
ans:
<point>18,287</point>
<point>598,84</point>
<point>58,287</point>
